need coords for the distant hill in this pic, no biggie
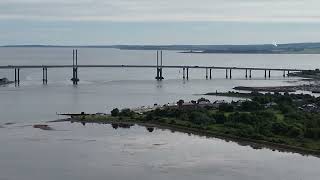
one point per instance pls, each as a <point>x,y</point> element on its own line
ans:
<point>297,48</point>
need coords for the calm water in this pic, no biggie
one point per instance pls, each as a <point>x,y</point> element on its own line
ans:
<point>99,152</point>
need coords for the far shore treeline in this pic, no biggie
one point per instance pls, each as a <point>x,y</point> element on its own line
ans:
<point>290,48</point>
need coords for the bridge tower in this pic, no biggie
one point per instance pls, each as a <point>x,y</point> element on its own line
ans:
<point>159,76</point>
<point>75,78</point>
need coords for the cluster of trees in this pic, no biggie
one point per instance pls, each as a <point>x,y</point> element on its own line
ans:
<point>123,113</point>
<point>252,118</point>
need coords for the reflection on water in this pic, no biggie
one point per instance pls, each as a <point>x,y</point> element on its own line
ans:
<point>252,145</point>
<point>99,152</point>
<point>122,125</point>
<point>150,129</point>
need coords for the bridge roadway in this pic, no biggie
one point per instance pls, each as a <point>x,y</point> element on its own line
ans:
<point>159,75</point>
<point>148,66</point>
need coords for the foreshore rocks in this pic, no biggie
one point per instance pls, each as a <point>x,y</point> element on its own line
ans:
<point>311,88</point>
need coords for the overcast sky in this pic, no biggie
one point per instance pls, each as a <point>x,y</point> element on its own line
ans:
<point>158,21</point>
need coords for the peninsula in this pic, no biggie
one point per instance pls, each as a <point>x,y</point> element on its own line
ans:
<point>286,122</point>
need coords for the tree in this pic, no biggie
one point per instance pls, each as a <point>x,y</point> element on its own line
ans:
<point>250,106</point>
<point>180,103</point>
<point>199,118</point>
<point>295,132</point>
<point>225,107</point>
<point>126,112</point>
<point>203,100</point>
<point>220,118</point>
<point>115,112</point>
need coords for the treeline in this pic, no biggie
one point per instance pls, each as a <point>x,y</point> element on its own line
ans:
<point>274,118</point>
<point>251,119</point>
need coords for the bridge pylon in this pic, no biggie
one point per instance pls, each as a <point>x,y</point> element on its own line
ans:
<point>159,76</point>
<point>75,78</point>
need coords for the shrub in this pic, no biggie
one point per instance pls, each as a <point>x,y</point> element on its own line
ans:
<point>115,112</point>
<point>280,128</point>
<point>199,118</point>
<point>250,106</point>
<point>220,118</point>
<point>295,132</point>
<point>225,107</point>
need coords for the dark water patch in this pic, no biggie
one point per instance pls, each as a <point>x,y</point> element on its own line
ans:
<point>78,140</point>
<point>35,139</point>
<point>9,123</point>
<point>160,144</point>
<point>59,120</point>
<point>43,127</point>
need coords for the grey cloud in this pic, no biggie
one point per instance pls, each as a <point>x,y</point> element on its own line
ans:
<point>164,10</point>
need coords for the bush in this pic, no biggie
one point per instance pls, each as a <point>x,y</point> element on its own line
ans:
<point>225,107</point>
<point>285,108</point>
<point>250,106</point>
<point>280,128</point>
<point>220,118</point>
<point>172,122</point>
<point>295,132</point>
<point>115,112</point>
<point>313,133</point>
<point>126,113</point>
<point>199,118</point>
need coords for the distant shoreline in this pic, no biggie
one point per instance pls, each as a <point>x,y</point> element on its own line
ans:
<point>291,48</point>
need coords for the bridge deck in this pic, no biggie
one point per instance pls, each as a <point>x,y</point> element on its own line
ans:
<point>145,66</point>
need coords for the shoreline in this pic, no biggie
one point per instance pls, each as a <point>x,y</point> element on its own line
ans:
<point>256,144</point>
<point>280,89</point>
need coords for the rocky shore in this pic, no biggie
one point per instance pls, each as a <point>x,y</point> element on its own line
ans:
<point>310,87</point>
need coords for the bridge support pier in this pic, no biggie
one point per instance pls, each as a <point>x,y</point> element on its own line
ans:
<point>230,73</point>
<point>265,74</point>
<point>246,73</point>
<point>184,73</point>
<point>288,73</point>
<point>45,75</point>
<point>210,73</point>
<point>159,76</point>
<point>187,73</point>
<point>75,78</point>
<point>250,74</point>
<point>17,75</point>
<point>206,73</point>
<point>284,73</point>
<point>269,74</point>
<point>226,73</point>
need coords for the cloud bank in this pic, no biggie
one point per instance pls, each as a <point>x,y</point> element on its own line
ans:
<point>162,10</point>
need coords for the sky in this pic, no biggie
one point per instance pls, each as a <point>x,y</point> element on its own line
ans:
<point>156,22</point>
